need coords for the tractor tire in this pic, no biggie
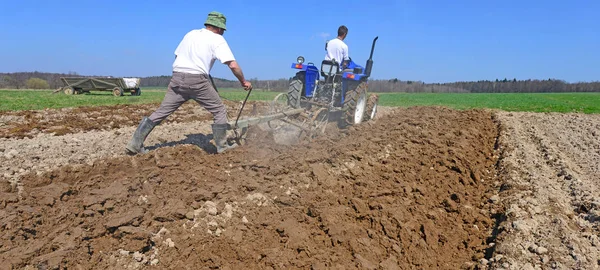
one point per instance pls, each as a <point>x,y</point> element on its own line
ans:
<point>371,110</point>
<point>295,90</point>
<point>117,91</point>
<point>355,103</point>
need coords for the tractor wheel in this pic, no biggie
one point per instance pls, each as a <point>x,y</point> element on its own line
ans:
<point>371,110</point>
<point>117,91</point>
<point>68,90</point>
<point>295,90</point>
<point>355,103</point>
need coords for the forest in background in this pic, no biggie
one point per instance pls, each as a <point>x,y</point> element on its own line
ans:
<point>45,80</point>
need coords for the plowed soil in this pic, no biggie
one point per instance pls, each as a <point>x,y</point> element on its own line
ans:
<point>417,188</point>
<point>29,123</point>
<point>403,190</point>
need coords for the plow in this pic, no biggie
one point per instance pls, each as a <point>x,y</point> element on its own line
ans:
<point>335,93</point>
<point>311,122</point>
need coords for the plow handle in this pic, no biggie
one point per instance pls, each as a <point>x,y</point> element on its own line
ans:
<point>241,109</point>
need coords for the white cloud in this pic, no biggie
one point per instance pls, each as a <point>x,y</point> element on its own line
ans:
<point>322,35</point>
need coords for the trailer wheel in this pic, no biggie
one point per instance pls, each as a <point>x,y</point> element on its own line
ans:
<point>371,110</point>
<point>68,90</point>
<point>117,91</point>
<point>355,103</point>
<point>295,90</point>
<point>138,92</point>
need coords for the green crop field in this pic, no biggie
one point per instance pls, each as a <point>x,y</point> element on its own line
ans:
<point>529,102</point>
<point>42,99</point>
<point>533,102</point>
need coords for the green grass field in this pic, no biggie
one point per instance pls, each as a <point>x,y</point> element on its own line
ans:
<point>538,102</point>
<point>529,102</point>
<point>42,99</point>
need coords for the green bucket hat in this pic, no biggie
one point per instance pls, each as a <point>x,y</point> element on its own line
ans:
<point>216,19</point>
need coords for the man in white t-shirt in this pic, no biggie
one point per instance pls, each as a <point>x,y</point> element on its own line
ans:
<point>194,58</point>
<point>337,49</point>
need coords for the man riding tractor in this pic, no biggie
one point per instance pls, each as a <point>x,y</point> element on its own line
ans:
<point>337,50</point>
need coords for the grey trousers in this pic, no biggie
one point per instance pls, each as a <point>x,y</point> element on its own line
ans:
<point>184,87</point>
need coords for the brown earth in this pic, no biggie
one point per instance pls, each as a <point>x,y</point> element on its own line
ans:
<point>419,188</point>
<point>29,123</point>
<point>409,190</point>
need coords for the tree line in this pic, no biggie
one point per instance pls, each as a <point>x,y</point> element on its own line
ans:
<point>44,80</point>
<point>268,85</point>
<point>485,86</point>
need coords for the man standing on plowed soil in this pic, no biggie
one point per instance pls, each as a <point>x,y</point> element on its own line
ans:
<point>194,58</point>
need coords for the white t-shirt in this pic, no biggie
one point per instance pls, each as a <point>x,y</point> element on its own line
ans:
<point>198,50</point>
<point>338,50</point>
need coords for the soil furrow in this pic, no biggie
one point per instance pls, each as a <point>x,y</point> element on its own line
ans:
<point>543,228</point>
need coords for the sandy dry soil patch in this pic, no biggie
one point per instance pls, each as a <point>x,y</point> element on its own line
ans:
<point>551,169</point>
<point>419,188</point>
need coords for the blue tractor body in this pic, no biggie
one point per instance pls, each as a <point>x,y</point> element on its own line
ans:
<point>331,86</point>
<point>310,78</point>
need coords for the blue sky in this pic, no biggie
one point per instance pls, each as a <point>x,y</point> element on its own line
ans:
<point>431,41</point>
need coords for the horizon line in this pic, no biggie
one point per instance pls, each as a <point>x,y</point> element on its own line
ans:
<point>283,78</point>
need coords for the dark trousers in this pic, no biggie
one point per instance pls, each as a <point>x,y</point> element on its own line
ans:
<point>184,87</point>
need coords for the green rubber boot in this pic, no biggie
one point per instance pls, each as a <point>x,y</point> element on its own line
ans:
<point>220,136</point>
<point>136,144</point>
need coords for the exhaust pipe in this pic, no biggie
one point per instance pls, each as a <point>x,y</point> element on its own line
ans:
<point>369,64</point>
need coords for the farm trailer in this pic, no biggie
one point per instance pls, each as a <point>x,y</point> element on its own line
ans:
<point>118,86</point>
